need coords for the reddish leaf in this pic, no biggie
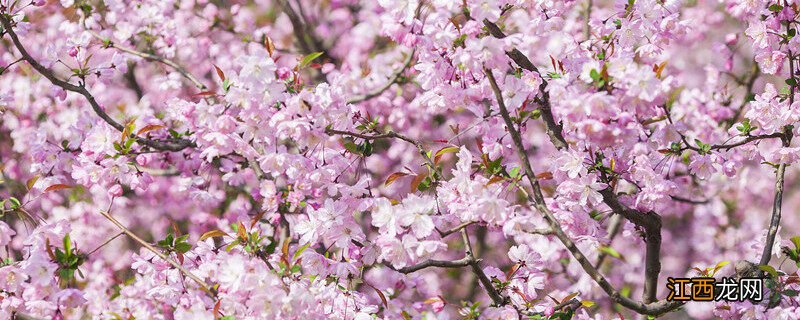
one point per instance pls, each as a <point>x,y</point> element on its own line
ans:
<point>31,182</point>
<point>394,176</point>
<point>220,73</point>
<point>285,250</point>
<point>512,270</point>
<point>216,309</point>
<point>417,180</point>
<point>545,176</point>
<point>241,232</point>
<point>49,249</point>
<point>443,151</point>
<point>381,295</point>
<point>56,187</point>
<point>175,228</point>
<point>569,297</point>
<point>213,233</point>
<point>204,94</point>
<point>494,179</point>
<point>270,46</point>
<point>148,128</point>
<point>257,217</point>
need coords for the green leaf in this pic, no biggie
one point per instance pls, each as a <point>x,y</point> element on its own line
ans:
<point>349,145</point>
<point>183,247</point>
<point>769,269</point>
<point>790,293</point>
<point>796,241</point>
<point>307,59</point>
<point>775,8</point>
<point>611,252</point>
<point>67,245</point>
<point>514,172</point>
<point>595,75</point>
<point>15,204</point>
<point>233,244</point>
<point>300,251</point>
<point>66,274</point>
<point>791,81</point>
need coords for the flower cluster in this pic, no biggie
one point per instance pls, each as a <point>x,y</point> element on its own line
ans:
<point>398,159</point>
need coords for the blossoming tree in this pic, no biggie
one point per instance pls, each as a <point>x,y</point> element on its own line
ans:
<point>398,159</point>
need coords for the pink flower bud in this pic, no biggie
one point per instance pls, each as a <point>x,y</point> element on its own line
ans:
<point>731,39</point>
<point>115,191</point>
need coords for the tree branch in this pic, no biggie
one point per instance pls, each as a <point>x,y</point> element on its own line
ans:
<point>158,253</point>
<point>463,262</point>
<point>786,140</point>
<point>392,80</point>
<point>651,223</point>
<point>497,298</point>
<point>455,229</point>
<point>537,198</point>
<point>166,145</point>
<point>387,135</point>
<point>554,129</point>
<point>728,146</point>
<point>614,226</point>
<point>775,220</point>
<point>156,58</point>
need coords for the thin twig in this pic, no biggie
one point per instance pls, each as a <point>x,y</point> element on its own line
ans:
<point>392,80</point>
<point>158,253</point>
<point>105,243</point>
<point>388,135</point>
<point>614,226</point>
<point>152,57</point>
<point>455,229</point>
<point>476,268</point>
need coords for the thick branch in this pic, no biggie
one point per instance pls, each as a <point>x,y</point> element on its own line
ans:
<point>463,262</point>
<point>775,220</point>
<point>651,223</point>
<point>537,198</point>
<point>554,129</point>
<point>170,145</point>
<point>777,203</point>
